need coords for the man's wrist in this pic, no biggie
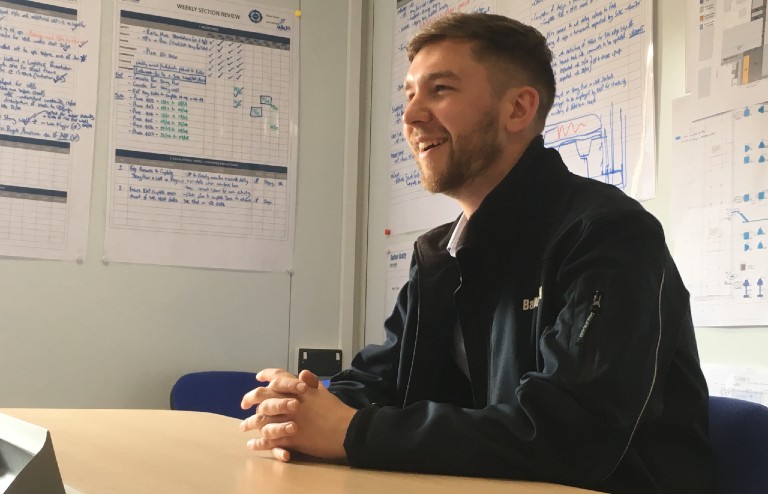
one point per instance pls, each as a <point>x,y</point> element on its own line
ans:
<point>357,434</point>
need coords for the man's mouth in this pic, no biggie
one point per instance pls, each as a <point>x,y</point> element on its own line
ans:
<point>427,145</point>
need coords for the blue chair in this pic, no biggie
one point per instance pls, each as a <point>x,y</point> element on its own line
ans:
<point>738,432</point>
<point>214,391</point>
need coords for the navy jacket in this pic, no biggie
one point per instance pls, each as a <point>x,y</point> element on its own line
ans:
<point>581,351</point>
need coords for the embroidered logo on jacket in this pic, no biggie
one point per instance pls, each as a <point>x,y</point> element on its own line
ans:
<point>532,303</point>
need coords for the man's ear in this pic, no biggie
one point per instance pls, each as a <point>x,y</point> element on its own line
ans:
<point>520,106</point>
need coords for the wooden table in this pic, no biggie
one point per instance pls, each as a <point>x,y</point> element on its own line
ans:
<point>161,451</point>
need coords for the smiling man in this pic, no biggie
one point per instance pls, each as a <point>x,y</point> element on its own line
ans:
<point>543,335</point>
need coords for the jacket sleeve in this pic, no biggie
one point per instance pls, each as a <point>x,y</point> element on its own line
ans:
<point>573,419</point>
<point>373,375</point>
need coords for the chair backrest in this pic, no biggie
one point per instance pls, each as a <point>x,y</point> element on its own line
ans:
<point>214,391</point>
<point>738,432</point>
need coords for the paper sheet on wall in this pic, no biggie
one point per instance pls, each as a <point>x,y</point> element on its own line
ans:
<point>602,121</point>
<point>411,208</point>
<point>727,51</point>
<point>398,262</point>
<point>721,221</point>
<point>49,54</point>
<point>202,167</point>
<point>733,381</point>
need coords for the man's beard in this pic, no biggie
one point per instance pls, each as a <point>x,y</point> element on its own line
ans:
<point>470,156</point>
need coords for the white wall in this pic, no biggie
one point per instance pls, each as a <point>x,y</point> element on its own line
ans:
<point>744,346</point>
<point>737,346</point>
<point>118,335</point>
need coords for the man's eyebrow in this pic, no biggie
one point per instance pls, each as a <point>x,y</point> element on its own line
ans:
<point>432,76</point>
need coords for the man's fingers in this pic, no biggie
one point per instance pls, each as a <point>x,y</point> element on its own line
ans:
<point>279,406</point>
<point>270,411</point>
<point>309,378</point>
<point>261,444</point>
<point>288,384</point>
<point>251,398</point>
<point>256,421</point>
<point>278,431</point>
<point>282,381</point>
<point>268,375</point>
<point>259,395</point>
<point>281,454</point>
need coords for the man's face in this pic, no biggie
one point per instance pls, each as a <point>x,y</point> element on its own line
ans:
<point>451,120</point>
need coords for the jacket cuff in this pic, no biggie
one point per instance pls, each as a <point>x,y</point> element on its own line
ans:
<point>357,433</point>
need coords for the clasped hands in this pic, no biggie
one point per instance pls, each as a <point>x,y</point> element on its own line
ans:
<point>296,414</point>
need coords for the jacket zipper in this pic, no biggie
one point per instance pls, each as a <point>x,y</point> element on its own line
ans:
<point>597,298</point>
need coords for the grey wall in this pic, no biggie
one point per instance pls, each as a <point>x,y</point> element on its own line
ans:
<point>118,335</point>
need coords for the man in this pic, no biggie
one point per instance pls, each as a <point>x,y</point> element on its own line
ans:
<point>544,335</point>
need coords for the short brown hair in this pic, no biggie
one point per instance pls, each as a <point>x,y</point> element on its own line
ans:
<point>513,46</point>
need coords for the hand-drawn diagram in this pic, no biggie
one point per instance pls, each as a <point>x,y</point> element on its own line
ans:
<point>591,148</point>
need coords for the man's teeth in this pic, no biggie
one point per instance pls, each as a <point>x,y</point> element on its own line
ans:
<point>423,146</point>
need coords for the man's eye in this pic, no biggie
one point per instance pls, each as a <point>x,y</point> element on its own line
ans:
<point>441,88</point>
<point>409,96</point>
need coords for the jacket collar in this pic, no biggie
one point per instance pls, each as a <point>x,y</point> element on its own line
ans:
<point>513,211</point>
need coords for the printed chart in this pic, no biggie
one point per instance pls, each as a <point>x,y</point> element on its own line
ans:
<point>727,45</point>
<point>721,223</point>
<point>48,57</point>
<point>203,161</point>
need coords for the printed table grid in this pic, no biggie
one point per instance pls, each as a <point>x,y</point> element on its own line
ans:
<point>218,107</point>
<point>187,201</point>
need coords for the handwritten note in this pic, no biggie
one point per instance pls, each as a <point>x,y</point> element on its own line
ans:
<point>202,154</point>
<point>48,68</point>
<point>602,119</point>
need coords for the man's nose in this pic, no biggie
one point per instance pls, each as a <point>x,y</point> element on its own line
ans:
<point>416,112</point>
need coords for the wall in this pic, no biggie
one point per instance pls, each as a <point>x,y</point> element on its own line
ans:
<point>736,346</point>
<point>744,346</point>
<point>118,335</point>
